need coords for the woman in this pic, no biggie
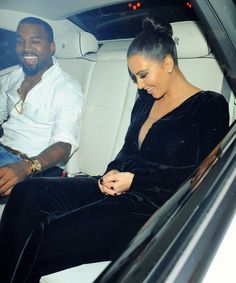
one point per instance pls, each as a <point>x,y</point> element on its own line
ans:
<point>52,224</point>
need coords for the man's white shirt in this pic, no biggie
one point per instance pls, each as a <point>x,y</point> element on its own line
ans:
<point>50,112</point>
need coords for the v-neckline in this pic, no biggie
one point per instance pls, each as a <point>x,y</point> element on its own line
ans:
<point>179,106</point>
<point>163,117</point>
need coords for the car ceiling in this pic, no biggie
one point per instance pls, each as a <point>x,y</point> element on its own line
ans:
<point>55,9</point>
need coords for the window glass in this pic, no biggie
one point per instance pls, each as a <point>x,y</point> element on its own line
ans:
<point>124,20</point>
<point>8,56</point>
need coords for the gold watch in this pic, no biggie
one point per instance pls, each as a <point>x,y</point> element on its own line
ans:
<point>35,166</point>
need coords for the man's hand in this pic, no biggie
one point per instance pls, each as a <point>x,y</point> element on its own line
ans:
<point>12,174</point>
<point>115,182</point>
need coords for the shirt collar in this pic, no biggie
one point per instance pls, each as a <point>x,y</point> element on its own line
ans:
<point>52,69</point>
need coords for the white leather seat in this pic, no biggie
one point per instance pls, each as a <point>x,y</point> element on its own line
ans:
<point>85,273</point>
<point>110,93</point>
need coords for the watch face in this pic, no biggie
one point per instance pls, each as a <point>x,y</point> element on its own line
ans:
<point>36,166</point>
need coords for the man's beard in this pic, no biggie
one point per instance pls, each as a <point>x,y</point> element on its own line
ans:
<point>30,70</point>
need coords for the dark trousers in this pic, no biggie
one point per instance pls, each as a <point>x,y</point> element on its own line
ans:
<point>50,224</point>
<point>54,171</point>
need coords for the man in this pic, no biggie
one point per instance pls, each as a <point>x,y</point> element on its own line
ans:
<point>40,107</point>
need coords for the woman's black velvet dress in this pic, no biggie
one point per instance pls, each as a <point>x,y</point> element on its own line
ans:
<point>51,224</point>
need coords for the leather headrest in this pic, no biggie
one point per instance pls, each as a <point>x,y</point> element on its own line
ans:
<point>75,44</point>
<point>190,40</point>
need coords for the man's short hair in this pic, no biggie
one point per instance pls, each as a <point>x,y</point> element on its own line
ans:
<point>37,21</point>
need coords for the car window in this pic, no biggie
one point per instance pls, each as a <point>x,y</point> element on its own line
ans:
<point>124,20</point>
<point>8,56</point>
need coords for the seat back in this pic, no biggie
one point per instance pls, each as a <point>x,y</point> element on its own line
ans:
<point>110,93</point>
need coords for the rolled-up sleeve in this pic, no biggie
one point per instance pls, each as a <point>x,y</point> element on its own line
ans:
<point>68,110</point>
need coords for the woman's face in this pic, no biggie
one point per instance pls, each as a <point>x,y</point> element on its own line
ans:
<point>150,74</point>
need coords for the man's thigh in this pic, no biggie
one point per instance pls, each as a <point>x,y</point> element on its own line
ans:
<point>7,157</point>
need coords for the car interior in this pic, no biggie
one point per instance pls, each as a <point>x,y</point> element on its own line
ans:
<point>101,68</point>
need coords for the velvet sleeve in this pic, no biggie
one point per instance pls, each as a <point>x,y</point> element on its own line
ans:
<point>121,160</point>
<point>214,124</point>
<point>127,154</point>
<point>213,121</point>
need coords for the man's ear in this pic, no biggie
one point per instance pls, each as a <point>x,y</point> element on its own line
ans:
<point>169,64</point>
<point>52,48</point>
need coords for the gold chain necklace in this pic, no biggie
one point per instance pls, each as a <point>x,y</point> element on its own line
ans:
<point>20,103</point>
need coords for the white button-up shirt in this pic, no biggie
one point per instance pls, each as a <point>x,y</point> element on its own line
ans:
<point>50,112</point>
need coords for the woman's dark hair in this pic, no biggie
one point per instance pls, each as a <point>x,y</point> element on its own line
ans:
<point>37,21</point>
<point>155,41</point>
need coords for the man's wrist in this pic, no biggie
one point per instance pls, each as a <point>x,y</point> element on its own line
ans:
<point>34,165</point>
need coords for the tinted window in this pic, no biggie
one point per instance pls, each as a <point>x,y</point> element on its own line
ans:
<point>124,20</point>
<point>7,49</point>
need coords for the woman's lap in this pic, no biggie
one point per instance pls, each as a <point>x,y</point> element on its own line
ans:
<point>54,195</point>
<point>76,223</point>
<point>96,232</point>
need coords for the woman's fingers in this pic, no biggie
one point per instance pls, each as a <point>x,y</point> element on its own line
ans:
<point>107,188</point>
<point>116,184</point>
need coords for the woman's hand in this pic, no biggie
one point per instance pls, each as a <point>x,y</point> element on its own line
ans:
<point>115,182</point>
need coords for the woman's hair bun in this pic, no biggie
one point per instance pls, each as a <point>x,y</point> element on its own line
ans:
<point>153,23</point>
